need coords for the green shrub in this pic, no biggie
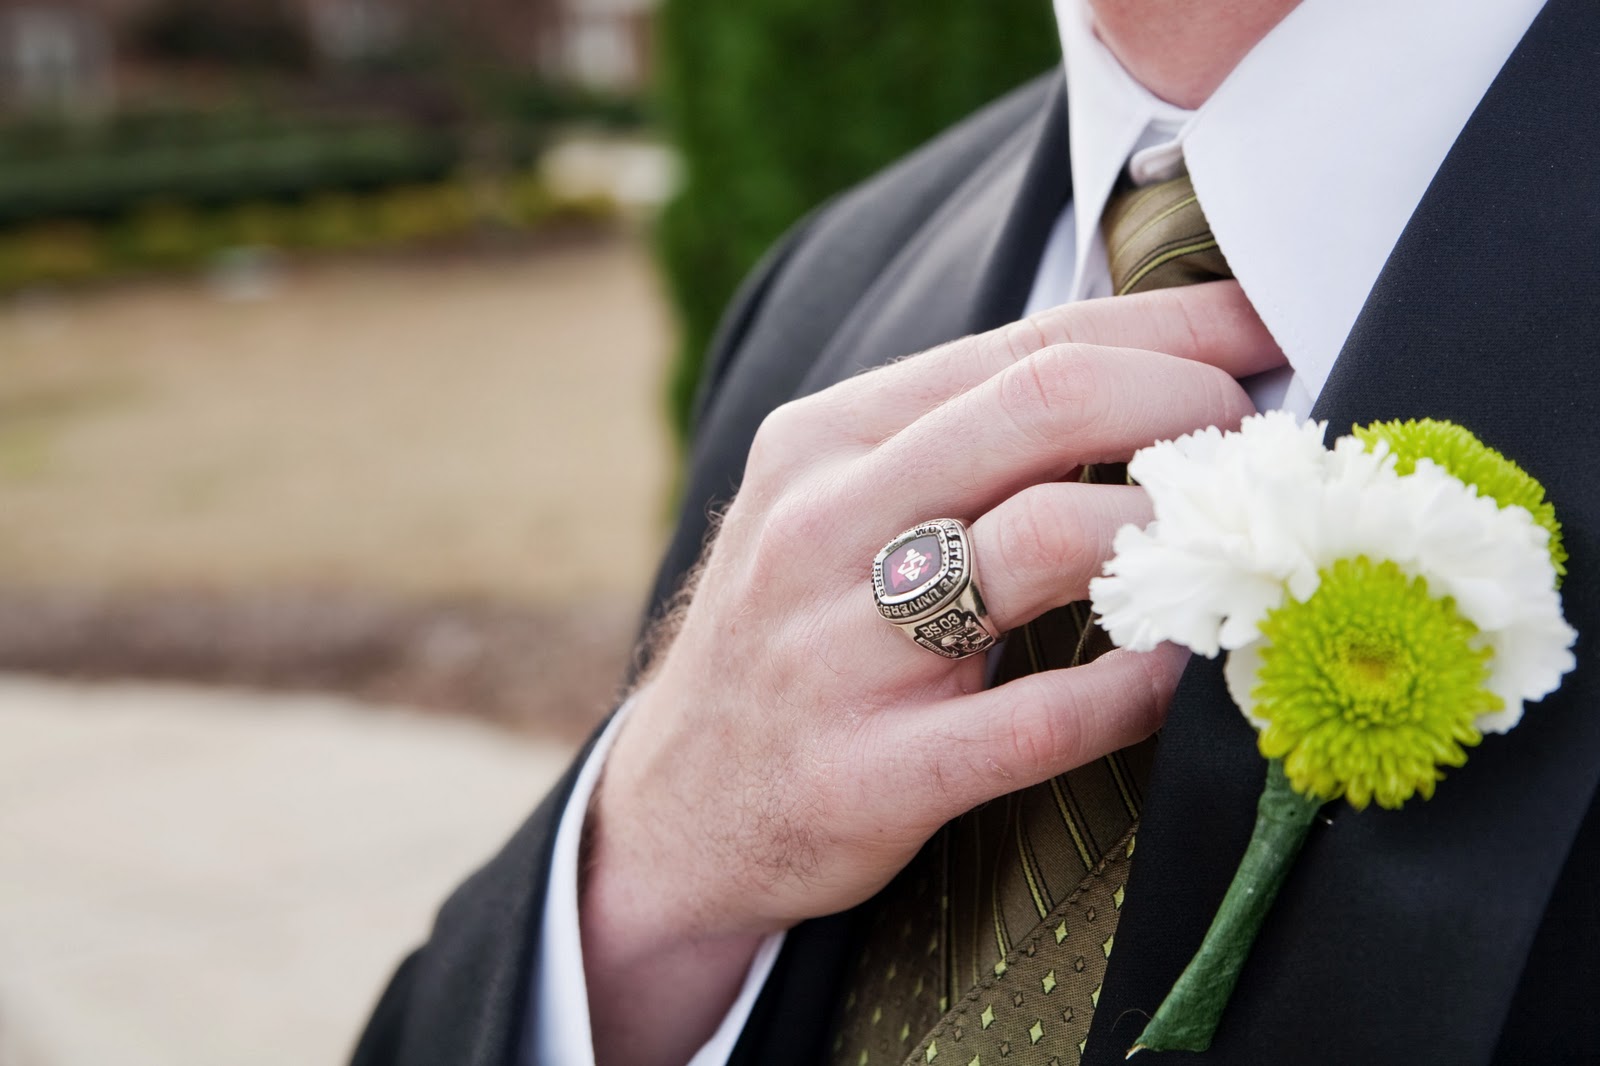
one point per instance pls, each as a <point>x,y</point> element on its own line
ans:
<point>535,102</point>
<point>528,199</point>
<point>336,220</point>
<point>777,105</point>
<point>104,177</point>
<point>259,224</point>
<point>60,251</point>
<point>420,212</point>
<point>161,235</point>
<point>164,236</point>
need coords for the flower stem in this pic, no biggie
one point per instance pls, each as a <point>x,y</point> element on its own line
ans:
<point>1188,1017</point>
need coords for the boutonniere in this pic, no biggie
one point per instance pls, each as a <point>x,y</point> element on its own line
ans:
<point>1383,604</point>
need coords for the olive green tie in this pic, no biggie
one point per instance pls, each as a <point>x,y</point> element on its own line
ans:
<point>991,945</point>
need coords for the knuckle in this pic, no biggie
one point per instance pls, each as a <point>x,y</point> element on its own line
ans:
<point>1022,338</point>
<point>1188,319</point>
<point>1043,738</point>
<point>1162,670</point>
<point>783,436</point>
<point>1055,387</point>
<point>1227,403</point>
<point>1081,381</point>
<point>794,525</point>
<point>770,444</point>
<point>1039,535</point>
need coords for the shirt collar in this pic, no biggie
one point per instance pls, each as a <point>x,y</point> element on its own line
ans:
<point>1310,158</point>
<point>1109,117</point>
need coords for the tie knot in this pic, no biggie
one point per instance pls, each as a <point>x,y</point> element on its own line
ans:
<point>1157,238</point>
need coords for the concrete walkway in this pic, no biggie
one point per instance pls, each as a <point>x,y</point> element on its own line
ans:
<point>191,876</point>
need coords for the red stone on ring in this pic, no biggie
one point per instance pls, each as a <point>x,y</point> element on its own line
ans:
<point>913,564</point>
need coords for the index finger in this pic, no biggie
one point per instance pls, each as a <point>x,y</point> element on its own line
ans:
<point>1211,323</point>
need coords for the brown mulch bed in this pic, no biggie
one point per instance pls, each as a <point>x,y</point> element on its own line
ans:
<point>554,672</point>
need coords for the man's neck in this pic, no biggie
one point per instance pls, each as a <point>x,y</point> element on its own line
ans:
<point>1181,50</point>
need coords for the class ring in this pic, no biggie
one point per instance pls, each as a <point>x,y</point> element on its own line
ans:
<point>923,582</point>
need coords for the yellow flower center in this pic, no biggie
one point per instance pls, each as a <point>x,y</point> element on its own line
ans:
<point>1370,686</point>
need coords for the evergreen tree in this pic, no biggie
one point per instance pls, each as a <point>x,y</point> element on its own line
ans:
<point>777,104</point>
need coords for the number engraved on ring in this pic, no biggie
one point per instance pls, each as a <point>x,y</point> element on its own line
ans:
<point>954,634</point>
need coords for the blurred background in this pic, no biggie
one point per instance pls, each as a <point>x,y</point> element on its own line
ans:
<point>347,351</point>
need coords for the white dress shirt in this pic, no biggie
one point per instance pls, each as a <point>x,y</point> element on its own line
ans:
<point>1308,160</point>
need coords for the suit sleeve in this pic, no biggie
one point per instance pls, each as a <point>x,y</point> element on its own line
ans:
<point>463,997</point>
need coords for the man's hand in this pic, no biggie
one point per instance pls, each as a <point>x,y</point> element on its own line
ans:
<point>793,750</point>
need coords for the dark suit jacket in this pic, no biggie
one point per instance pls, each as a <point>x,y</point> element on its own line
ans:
<point>1462,930</point>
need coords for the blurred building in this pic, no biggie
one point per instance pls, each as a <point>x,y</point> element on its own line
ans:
<point>86,54</point>
<point>603,44</point>
<point>597,43</point>
<point>54,55</point>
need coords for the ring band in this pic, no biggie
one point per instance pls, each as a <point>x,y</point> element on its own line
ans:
<point>923,582</point>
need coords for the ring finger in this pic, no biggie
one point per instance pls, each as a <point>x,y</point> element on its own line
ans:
<point>1040,548</point>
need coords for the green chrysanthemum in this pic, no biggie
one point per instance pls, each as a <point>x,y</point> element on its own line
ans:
<point>1369,686</point>
<point>1466,458</point>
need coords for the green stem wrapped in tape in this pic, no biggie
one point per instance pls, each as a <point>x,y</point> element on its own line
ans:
<point>1189,1015</point>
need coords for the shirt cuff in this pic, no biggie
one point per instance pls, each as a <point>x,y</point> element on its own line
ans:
<point>560,1034</point>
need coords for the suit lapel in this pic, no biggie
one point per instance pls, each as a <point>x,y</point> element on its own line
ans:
<point>971,266</point>
<point>1402,935</point>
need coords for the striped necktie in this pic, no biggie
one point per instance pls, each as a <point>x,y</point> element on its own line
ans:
<point>992,944</point>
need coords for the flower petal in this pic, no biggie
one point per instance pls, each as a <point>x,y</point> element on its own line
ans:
<point>1240,671</point>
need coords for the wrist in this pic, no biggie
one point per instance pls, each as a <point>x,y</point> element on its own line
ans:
<point>650,940</point>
